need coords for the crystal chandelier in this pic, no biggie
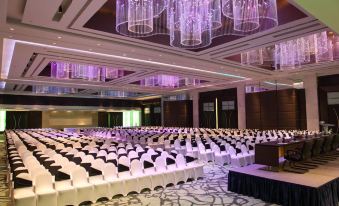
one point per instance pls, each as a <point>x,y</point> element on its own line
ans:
<point>193,24</point>
<point>120,94</point>
<point>65,70</point>
<point>40,89</point>
<point>168,81</point>
<point>291,54</point>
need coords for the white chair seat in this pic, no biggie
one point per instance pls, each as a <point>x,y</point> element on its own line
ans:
<point>66,193</point>
<point>24,197</point>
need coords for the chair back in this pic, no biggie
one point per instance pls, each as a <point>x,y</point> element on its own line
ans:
<point>335,143</point>
<point>180,160</point>
<point>160,164</point>
<point>318,144</point>
<point>307,149</point>
<point>327,143</point>
<point>43,181</point>
<point>79,176</point>
<point>136,167</point>
<point>110,171</point>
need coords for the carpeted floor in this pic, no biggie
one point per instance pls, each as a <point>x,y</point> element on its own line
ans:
<point>4,190</point>
<point>212,190</point>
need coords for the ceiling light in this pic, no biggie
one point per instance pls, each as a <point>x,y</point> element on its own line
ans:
<point>54,43</point>
<point>98,44</point>
<point>59,37</point>
<point>168,81</point>
<point>128,59</point>
<point>87,72</point>
<point>12,29</point>
<point>295,53</point>
<point>193,24</point>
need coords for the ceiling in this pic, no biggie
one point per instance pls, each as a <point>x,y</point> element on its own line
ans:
<point>32,38</point>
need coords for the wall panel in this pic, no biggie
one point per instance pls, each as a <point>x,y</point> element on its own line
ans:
<point>278,109</point>
<point>178,113</point>
<point>62,119</point>
<point>226,118</point>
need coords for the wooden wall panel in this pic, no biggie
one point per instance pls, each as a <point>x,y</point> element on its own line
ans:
<point>23,119</point>
<point>227,119</point>
<point>281,109</point>
<point>178,113</point>
<point>103,119</point>
<point>328,113</point>
<point>152,118</point>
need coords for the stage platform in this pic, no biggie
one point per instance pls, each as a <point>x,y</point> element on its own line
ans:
<point>318,187</point>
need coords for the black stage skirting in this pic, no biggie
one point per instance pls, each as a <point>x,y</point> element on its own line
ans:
<point>284,193</point>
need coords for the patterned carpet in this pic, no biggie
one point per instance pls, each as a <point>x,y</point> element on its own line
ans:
<point>212,190</point>
<point>4,190</point>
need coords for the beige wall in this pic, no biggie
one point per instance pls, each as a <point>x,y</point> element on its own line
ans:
<point>62,119</point>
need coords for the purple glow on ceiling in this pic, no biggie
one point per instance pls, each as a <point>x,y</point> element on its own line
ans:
<point>65,70</point>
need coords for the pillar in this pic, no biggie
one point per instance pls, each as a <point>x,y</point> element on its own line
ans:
<point>312,107</point>
<point>194,95</point>
<point>241,106</point>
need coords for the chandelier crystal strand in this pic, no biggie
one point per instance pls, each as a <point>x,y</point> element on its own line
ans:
<point>323,47</point>
<point>268,14</point>
<point>291,54</point>
<point>214,9</point>
<point>159,6</point>
<point>191,23</point>
<point>227,8</point>
<point>336,47</point>
<point>60,70</point>
<point>246,15</point>
<point>140,16</point>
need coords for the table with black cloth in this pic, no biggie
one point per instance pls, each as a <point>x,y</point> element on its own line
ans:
<point>320,187</point>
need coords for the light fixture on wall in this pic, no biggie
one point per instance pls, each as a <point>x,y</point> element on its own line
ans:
<point>193,24</point>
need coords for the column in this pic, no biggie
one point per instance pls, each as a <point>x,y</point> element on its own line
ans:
<point>312,108</point>
<point>162,112</point>
<point>194,95</point>
<point>241,106</point>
